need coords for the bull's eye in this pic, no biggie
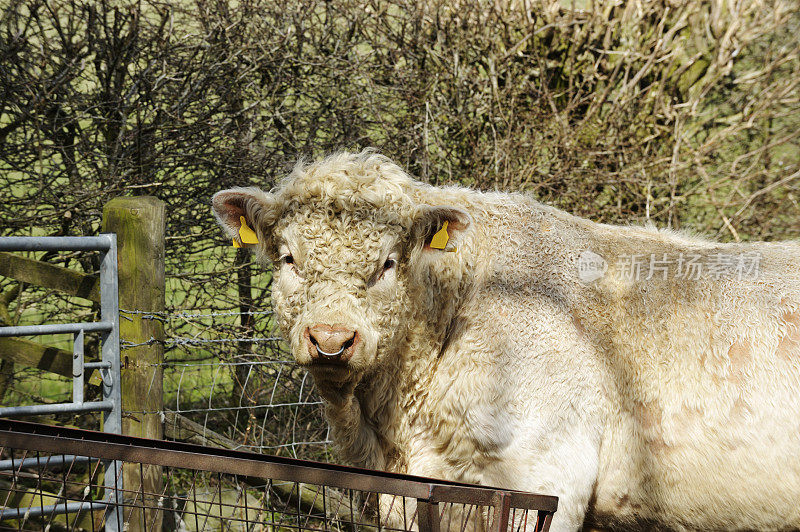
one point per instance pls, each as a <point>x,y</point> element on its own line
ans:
<point>388,265</point>
<point>288,260</point>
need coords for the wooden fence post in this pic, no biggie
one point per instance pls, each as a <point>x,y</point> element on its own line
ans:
<point>139,225</point>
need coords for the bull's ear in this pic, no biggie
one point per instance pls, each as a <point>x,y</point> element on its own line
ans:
<point>440,228</point>
<point>256,208</point>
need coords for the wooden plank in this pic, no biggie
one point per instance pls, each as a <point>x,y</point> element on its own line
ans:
<point>50,276</point>
<point>180,428</point>
<point>36,355</point>
<point>139,225</point>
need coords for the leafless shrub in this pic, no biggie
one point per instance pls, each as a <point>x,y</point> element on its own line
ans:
<point>686,114</point>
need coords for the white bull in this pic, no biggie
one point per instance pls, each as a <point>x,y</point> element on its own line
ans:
<point>648,378</point>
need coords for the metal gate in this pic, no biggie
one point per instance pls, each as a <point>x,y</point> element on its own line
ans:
<point>220,489</point>
<point>108,366</point>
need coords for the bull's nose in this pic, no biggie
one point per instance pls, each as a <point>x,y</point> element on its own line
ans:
<point>330,342</point>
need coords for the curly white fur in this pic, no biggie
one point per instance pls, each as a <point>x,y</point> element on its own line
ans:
<point>661,402</point>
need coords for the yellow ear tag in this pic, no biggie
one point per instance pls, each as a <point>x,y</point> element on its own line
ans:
<point>236,243</point>
<point>248,235</point>
<point>439,240</point>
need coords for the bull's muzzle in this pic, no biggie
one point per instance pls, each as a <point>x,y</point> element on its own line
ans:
<point>331,343</point>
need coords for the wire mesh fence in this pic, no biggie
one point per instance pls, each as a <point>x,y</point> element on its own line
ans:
<point>236,383</point>
<point>225,371</point>
<point>51,478</point>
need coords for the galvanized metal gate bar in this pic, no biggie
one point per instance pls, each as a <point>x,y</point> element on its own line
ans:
<point>56,328</point>
<point>51,509</point>
<point>109,366</point>
<point>55,460</point>
<point>57,243</point>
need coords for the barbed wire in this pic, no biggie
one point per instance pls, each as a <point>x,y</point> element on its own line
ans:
<point>172,314</point>
<point>215,364</point>
<point>227,408</point>
<point>125,344</point>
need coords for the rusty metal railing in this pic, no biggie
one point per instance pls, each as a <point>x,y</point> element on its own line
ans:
<point>44,468</point>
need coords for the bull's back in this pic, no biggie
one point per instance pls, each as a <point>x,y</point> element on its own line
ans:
<point>700,372</point>
<point>704,381</point>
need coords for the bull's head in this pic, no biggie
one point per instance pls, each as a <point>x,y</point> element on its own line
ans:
<point>350,238</point>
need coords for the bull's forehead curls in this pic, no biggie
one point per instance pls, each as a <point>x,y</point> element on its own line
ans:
<point>331,244</point>
<point>365,184</point>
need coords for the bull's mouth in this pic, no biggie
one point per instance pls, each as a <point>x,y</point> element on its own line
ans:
<point>336,371</point>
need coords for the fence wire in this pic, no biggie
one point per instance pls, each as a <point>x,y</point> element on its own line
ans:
<point>225,368</point>
<point>236,382</point>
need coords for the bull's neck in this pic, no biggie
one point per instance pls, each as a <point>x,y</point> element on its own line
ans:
<point>392,401</point>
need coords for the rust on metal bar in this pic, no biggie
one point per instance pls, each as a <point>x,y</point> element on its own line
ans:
<point>543,521</point>
<point>428,515</point>
<point>182,455</point>
<point>463,494</point>
<point>487,497</point>
<point>532,501</point>
<point>502,508</point>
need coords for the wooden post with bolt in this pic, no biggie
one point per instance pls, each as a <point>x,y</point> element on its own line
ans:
<point>139,225</point>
